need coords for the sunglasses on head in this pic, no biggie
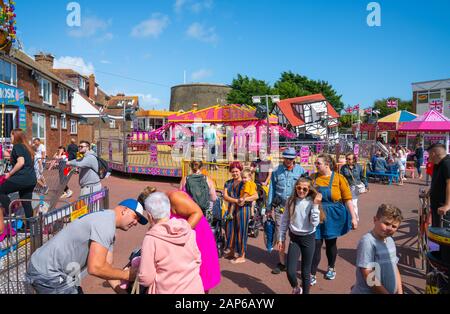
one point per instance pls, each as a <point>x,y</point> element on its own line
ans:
<point>82,146</point>
<point>300,189</point>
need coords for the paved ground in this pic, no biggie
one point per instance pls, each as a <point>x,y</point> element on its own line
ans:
<point>254,276</point>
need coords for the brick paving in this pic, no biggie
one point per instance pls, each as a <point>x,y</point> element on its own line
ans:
<point>255,276</point>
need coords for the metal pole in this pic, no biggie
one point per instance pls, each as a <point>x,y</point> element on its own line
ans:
<point>125,147</point>
<point>268,125</point>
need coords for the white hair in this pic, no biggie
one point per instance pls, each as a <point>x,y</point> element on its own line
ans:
<point>158,205</point>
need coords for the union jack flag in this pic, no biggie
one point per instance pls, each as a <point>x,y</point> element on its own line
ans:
<point>349,109</point>
<point>356,108</point>
<point>436,102</point>
<point>368,111</point>
<point>392,103</point>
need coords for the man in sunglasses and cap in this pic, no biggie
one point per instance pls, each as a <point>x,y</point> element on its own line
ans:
<point>283,180</point>
<point>86,243</point>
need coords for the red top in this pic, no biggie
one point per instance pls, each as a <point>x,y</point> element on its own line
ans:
<point>430,167</point>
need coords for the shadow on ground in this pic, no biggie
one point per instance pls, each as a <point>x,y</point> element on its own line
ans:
<point>252,284</point>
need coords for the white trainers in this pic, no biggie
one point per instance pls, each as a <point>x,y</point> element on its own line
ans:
<point>297,290</point>
<point>69,193</point>
<point>64,195</point>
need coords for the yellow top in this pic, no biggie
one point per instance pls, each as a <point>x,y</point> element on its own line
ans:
<point>340,190</point>
<point>249,189</point>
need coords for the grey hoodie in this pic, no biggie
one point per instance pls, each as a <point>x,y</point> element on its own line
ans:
<point>88,169</point>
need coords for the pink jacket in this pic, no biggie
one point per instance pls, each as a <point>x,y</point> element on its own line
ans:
<point>170,262</point>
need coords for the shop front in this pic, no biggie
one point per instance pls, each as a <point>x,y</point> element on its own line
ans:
<point>13,112</point>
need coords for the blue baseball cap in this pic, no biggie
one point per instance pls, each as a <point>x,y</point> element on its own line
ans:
<point>137,208</point>
<point>289,153</point>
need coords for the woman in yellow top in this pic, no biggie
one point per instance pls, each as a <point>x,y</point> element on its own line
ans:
<point>340,216</point>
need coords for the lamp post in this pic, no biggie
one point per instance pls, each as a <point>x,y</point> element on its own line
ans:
<point>257,100</point>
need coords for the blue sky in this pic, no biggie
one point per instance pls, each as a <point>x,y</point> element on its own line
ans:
<point>155,41</point>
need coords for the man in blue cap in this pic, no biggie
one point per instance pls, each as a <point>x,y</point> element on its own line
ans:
<point>282,184</point>
<point>56,267</point>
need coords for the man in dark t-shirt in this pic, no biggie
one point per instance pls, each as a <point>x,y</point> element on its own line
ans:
<point>440,183</point>
<point>72,150</point>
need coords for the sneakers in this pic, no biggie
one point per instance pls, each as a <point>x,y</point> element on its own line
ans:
<point>278,269</point>
<point>297,290</point>
<point>64,195</point>
<point>69,193</point>
<point>313,280</point>
<point>331,274</point>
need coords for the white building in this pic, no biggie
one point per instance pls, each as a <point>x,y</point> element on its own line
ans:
<point>431,93</point>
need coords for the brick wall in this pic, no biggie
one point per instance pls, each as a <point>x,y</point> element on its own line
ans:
<point>86,132</point>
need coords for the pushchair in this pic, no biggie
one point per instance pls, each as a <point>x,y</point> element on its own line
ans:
<point>215,220</point>
<point>256,221</point>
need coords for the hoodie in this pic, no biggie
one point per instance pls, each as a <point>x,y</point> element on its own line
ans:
<point>88,169</point>
<point>170,262</point>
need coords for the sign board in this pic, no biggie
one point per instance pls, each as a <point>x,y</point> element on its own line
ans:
<point>304,154</point>
<point>319,107</point>
<point>78,213</point>
<point>11,96</point>
<point>94,198</point>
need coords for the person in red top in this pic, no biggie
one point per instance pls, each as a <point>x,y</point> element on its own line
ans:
<point>63,157</point>
<point>429,171</point>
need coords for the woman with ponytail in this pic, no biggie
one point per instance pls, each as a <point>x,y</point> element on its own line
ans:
<point>22,177</point>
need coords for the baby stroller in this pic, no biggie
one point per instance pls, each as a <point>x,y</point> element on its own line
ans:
<point>216,222</point>
<point>256,221</point>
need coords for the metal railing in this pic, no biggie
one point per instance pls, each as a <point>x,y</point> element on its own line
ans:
<point>24,236</point>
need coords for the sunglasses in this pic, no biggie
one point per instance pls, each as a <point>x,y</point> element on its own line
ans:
<point>300,189</point>
<point>82,146</point>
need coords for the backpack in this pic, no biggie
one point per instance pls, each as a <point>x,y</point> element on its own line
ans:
<point>103,169</point>
<point>197,187</point>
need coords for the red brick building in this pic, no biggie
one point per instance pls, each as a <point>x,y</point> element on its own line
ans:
<point>48,99</point>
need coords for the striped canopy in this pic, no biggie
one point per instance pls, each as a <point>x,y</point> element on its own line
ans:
<point>398,117</point>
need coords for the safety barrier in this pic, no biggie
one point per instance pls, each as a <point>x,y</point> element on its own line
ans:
<point>24,236</point>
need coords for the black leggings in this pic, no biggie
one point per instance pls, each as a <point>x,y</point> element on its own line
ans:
<point>304,245</point>
<point>25,192</point>
<point>331,249</point>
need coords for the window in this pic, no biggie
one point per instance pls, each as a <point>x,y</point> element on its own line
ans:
<point>8,72</point>
<point>447,97</point>
<point>112,124</point>
<point>435,95</point>
<point>53,122</point>
<point>38,125</point>
<point>63,123</point>
<point>63,95</point>
<point>46,91</point>
<point>422,98</point>
<point>73,126</point>
<point>82,83</point>
<point>96,91</point>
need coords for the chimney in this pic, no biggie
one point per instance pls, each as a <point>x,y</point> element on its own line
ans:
<point>45,59</point>
<point>91,92</point>
<point>120,95</point>
<point>194,107</point>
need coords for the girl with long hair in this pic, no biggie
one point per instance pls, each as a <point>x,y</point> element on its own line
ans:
<point>22,177</point>
<point>301,216</point>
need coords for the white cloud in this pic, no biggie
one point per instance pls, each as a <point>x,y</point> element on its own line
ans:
<point>152,27</point>
<point>147,56</point>
<point>193,5</point>
<point>105,62</point>
<point>199,32</point>
<point>148,101</point>
<point>106,37</point>
<point>90,26</point>
<point>75,63</point>
<point>201,74</point>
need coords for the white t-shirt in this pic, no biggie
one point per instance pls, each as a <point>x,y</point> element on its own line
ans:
<point>39,152</point>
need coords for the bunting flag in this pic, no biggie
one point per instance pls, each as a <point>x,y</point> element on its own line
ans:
<point>392,103</point>
<point>368,111</point>
<point>437,105</point>
<point>356,108</point>
<point>349,109</point>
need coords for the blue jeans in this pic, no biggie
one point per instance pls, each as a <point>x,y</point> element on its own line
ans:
<point>44,284</point>
<point>419,164</point>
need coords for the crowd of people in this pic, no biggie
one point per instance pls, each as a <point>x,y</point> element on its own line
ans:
<point>179,252</point>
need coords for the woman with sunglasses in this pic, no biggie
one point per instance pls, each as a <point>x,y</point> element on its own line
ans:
<point>337,205</point>
<point>302,215</point>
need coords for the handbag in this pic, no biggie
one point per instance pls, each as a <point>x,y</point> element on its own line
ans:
<point>360,187</point>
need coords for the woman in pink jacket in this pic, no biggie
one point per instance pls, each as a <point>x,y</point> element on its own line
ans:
<point>170,258</point>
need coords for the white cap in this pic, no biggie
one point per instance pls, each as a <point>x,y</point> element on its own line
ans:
<point>158,205</point>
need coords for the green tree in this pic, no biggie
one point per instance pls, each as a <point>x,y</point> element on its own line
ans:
<point>346,120</point>
<point>381,105</point>
<point>306,86</point>
<point>243,88</point>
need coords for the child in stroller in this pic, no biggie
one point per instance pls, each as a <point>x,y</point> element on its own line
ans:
<point>215,221</point>
<point>256,220</point>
